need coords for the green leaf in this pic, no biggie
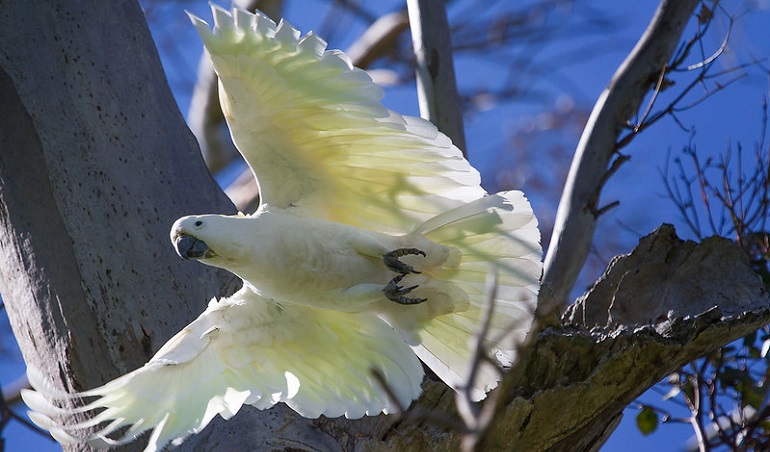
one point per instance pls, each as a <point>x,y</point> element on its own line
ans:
<point>753,395</point>
<point>749,339</point>
<point>647,420</point>
<point>731,377</point>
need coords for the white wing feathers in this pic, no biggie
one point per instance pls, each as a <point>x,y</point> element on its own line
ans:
<point>496,234</point>
<point>313,130</point>
<point>242,350</point>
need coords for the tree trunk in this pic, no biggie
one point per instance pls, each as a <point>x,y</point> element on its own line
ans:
<point>436,86</point>
<point>95,165</point>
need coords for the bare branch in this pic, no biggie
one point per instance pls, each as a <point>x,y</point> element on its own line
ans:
<point>616,337</point>
<point>704,78</point>
<point>379,39</point>
<point>206,120</point>
<point>475,415</point>
<point>733,201</point>
<point>576,215</point>
<point>436,86</point>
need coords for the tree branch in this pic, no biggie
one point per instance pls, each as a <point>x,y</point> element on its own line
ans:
<point>619,340</point>
<point>624,335</point>
<point>379,39</point>
<point>576,216</point>
<point>436,86</point>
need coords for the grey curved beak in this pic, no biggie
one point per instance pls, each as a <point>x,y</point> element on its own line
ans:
<point>188,247</point>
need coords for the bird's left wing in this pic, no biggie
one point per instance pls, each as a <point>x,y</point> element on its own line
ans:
<point>315,133</point>
<point>242,350</point>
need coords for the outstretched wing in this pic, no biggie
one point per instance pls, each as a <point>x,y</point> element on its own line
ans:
<point>314,132</point>
<point>242,350</point>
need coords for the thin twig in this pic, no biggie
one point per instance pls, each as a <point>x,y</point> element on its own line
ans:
<point>477,416</point>
<point>415,414</point>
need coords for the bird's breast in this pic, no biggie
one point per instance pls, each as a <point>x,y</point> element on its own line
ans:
<point>311,262</point>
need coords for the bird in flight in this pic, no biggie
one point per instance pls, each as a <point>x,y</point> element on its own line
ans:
<point>370,252</point>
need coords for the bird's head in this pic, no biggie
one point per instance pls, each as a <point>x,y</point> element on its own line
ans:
<point>211,239</point>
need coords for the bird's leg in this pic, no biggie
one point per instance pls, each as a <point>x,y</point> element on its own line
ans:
<point>396,293</point>
<point>392,262</point>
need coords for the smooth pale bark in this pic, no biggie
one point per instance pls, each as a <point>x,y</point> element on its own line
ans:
<point>379,39</point>
<point>436,87</point>
<point>579,207</point>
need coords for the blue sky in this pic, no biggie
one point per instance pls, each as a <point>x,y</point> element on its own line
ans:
<point>581,67</point>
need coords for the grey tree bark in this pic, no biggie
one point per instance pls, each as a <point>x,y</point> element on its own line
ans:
<point>95,165</point>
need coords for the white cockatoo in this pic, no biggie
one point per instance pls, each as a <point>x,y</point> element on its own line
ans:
<point>371,248</point>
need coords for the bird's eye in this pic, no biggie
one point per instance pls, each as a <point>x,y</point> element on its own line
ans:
<point>198,223</point>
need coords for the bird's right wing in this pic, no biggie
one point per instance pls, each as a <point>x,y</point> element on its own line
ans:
<point>316,135</point>
<point>242,350</point>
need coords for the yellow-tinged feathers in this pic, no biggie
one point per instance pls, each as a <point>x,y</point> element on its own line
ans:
<point>314,132</point>
<point>495,234</point>
<point>243,350</point>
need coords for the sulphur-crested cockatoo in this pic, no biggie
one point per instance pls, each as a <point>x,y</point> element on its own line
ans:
<point>371,248</point>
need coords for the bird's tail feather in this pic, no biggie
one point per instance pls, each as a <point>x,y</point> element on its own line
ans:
<point>498,235</point>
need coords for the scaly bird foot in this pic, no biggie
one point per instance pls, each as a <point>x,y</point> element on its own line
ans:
<point>392,262</point>
<point>396,293</point>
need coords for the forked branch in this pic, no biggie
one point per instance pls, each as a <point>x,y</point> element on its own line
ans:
<point>577,213</point>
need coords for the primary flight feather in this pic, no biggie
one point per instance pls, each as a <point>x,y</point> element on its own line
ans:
<point>371,247</point>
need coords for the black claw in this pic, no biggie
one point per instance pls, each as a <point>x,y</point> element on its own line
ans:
<point>392,290</point>
<point>393,263</point>
<point>407,300</point>
<point>396,293</point>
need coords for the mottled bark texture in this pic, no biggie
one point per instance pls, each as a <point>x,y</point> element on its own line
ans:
<point>95,165</point>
